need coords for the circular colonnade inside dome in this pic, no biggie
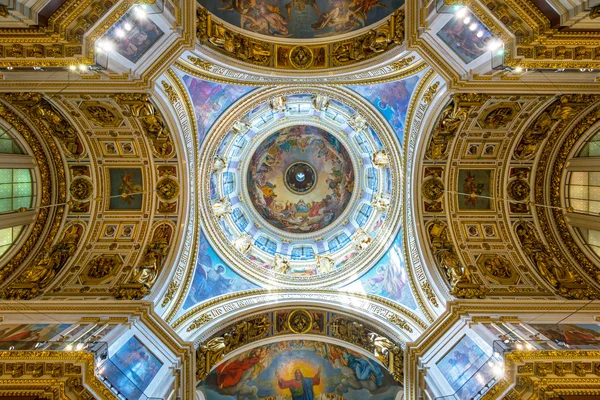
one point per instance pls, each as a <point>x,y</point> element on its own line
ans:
<point>298,184</point>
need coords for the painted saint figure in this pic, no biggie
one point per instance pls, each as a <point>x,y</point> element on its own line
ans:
<point>301,388</point>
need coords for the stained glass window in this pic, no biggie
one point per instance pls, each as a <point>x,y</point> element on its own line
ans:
<point>7,237</point>
<point>16,189</point>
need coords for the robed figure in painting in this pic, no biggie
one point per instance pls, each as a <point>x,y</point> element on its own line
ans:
<point>301,388</point>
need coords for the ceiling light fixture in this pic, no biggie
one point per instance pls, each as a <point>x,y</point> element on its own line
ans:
<point>461,12</point>
<point>120,33</point>
<point>473,26</point>
<point>467,20</point>
<point>479,34</point>
<point>83,67</point>
<point>127,26</point>
<point>494,44</point>
<point>139,12</point>
<point>73,67</point>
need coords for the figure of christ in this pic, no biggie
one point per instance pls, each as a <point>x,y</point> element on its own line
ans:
<point>301,388</point>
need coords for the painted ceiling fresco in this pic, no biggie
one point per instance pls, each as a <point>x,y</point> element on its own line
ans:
<point>301,369</point>
<point>387,278</point>
<point>300,179</point>
<point>302,19</point>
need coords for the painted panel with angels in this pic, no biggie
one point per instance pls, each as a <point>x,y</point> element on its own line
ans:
<point>302,19</point>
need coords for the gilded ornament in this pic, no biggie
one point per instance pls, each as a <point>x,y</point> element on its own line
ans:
<point>35,278</point>
<point>281,264</point>
<point>101,114</point>
<point>167,208</point>
<point>380,159</point>
<point>171,291</point>
<point>451,118</point>
<point>300,321</point>
<point>430,93</point>
<point>325,264</point>
<point>498,268</point>
<point>167,189</point>
<point>358,123</point>
<point>102,266</point>
<point>243,243</point>
<point>498,115</point>
<point>200,63</point>
<point>320,102</point>
<point>429,293</point>
<point>150,266</point>
<point>433,189</point>
<point>373,42</point>
<point>211,352</point>
<point>222,207</point>
<point>301,57</point>
<point>170,92</point>
<point>558,276</point>
<point>396,320</point>
<point>361,240</point>
<point>198,322</point>
<point>459,277</point>
<point>518,189</point>
<point>81,189</point>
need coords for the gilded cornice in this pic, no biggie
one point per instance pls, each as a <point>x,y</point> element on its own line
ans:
<point>397,70</point>
<point>264,296</point>
<point>523,371</point>
<point>78,379</point>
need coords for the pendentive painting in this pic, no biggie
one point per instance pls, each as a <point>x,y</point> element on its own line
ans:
<point>212,278</point>
<point>474,186</point>
<point>584,336</point>
<point>210,100</point>
<point>300,370</point>
<point>392,100</point>
<point>302,19</point>
<point>388,278</point>
<point>135,34</point>
<point>126,187</point>
<point>468,43</point>
<point>132,368</point>
<point>300,179</point>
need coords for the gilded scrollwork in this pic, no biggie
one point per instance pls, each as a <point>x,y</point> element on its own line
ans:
<point>151,119</point>
<point>150,266</point>
<point>81,189</point>
<point>460,279</point>
<point>35,278</point>
<point>451,117</point>
<point>558,276</point>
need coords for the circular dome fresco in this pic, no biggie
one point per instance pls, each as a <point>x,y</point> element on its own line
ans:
<point>303,189</point>
<point>300,179</point>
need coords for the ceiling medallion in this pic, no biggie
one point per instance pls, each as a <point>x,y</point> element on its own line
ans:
<point>299,195</point>
<point>300,321</point>
<point>301,57</point>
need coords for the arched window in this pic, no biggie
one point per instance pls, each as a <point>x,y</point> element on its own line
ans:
<point>17,191</point>
<point>582,192</point>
